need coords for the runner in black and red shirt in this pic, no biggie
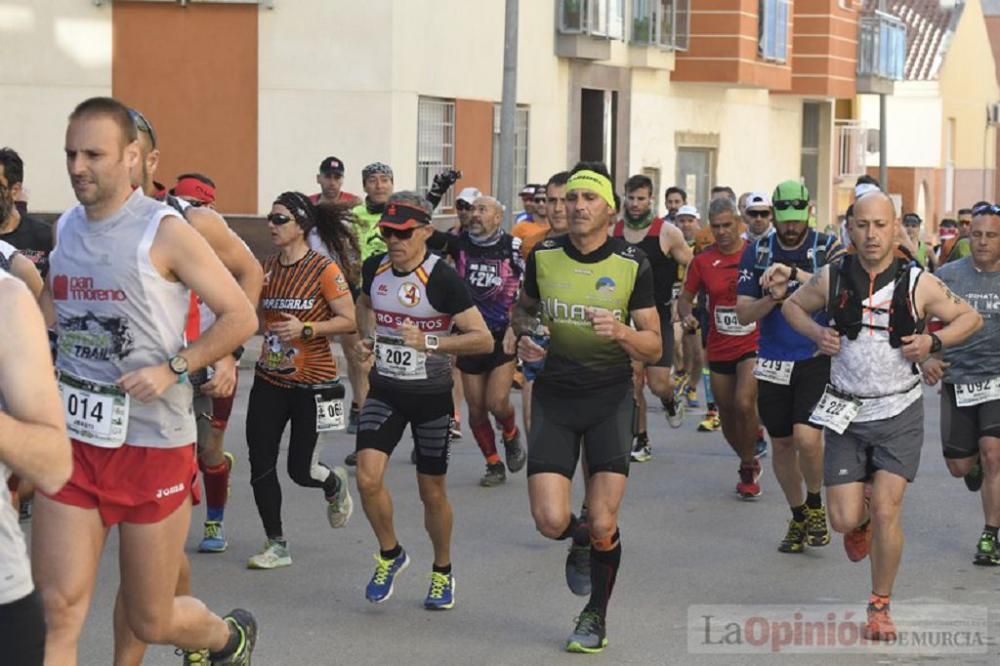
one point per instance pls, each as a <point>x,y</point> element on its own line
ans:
<point>732,347</point>
<point>330,180</point>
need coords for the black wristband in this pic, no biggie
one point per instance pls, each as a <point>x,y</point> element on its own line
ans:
<point>238,352</point>
<point>935,343</point>
<point>793,274</point>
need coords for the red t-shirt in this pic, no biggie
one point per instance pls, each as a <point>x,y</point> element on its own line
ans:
<point>717,274</point>
<point>342,198</point>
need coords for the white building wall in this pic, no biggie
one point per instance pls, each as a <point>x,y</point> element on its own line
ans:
<point>915,121</point>
<point>56,54</point>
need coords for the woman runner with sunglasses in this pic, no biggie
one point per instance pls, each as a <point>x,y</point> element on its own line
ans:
<point>305,299</point>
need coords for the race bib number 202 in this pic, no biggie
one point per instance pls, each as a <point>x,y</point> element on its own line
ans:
<point>396,360</point>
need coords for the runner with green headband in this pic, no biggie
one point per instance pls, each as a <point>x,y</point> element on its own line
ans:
<point>585,287</point>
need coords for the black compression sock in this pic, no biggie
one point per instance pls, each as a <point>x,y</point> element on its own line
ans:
<point>446,569</point>
<point>991,530</point>
<point>232,645</point>
<point>392,553</point>
<point>642,437</point>
<point>603,572</point>
<point>814,500</point>
<point>799,513</point>
<point>570,530</point>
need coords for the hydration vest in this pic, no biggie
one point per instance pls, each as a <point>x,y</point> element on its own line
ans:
<point>764,250</point>
<point>849,315</point>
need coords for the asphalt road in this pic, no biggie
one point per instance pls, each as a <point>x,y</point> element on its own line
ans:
<point>688,540</point>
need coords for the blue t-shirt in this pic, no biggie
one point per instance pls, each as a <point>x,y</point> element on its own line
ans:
<point>778,340</point>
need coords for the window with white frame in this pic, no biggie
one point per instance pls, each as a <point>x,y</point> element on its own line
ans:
<point>602,18</point>
<point>520,149</point>
<point>663,23</point>
<point>435,143</point>
<point>773,30</point>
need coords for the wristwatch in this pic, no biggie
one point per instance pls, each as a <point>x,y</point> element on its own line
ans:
<point>793,274</point>
<point>935,343</point>
<point>431,342</point>
<point>179,366</point>
<point>307,330</point>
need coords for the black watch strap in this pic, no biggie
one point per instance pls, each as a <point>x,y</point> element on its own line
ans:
<point>935,343</point>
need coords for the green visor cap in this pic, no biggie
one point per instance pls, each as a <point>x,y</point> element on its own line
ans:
<point>791,202</point>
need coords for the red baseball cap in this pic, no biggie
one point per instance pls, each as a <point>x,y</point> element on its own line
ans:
<point>401,216</point>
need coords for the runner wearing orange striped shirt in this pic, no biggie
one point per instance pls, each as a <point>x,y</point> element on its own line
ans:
<point>305,299</point>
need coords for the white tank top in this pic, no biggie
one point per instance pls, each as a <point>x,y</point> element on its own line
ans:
<point>869,368</point>
<point>15,570</point>
<point>115,313</point>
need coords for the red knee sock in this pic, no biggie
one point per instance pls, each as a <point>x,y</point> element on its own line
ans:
<point>486,439</point>
<point>508,424</point>
<point>216,484</point>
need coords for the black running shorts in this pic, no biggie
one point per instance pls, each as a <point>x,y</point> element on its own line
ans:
<point>781,407</point>
<point>481,364</point>
<point>729,367</point>
<point>602,421</point>
<point>666,337</point>
<point>384,418</point>
<point>962,427</point>
<point>22,630</point>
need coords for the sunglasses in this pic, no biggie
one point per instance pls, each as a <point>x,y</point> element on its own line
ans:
<point>143,125</point>
<point>759,213</point>
<point>279,219</point>
<point>401,234</point>
<point>462,205</point>
<point>797,204</point>
<point>986,209</point>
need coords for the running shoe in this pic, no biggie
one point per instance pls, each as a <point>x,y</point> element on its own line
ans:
<point>578,569</point>
<point>455,428</point>
<point>879,626</point>
<point>795,538</point>
<point>273,555</point>
<point>589,637</point>
<point>514,452</point>
<point>691,396</point>
<point>339,506</point>
<point>974,479</point>
<point>193,657</point>
<point>748,487</point>
<point>352,420</point>
<point>858,541</point>
<point>245,624</point>
<point>674,411</point>
<point>380,586</point>
<point>642,451</point>
<point>214,539</point>
<point>817,532</point>
<point>987,551</point>
<point>760,449</point>
<point>711,422</point>
<point>441,595</point>
<point>495,475</point>
<point>351,460</point>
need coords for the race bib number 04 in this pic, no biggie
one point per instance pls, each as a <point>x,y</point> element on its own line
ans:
<point>96,413</point>
<point>776,372</point>
<point>329,415</point>
<point>396,360</point>
<point>976,393</point>
<point>835,410</point>
<point>728,323</point>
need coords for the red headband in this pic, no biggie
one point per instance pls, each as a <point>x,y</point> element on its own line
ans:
<point>194,188</point>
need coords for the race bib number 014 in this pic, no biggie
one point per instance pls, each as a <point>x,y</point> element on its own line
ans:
<point>835,410</point>
<point>329,415</point>
<point>96,413</point>
<point>976,393</point>
<point>396,360</point>
<point>776,372</point>
<point>728,323</point>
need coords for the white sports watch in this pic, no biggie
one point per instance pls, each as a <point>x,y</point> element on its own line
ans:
<point>431,342</point>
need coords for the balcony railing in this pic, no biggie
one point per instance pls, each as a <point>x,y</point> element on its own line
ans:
<point>663,23</point>
<point>881,46</point>
<point>600,18</point>
<point>852,141</point>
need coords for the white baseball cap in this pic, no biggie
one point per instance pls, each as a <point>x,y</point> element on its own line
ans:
<point>758,200</point>
<point>687,209</point>
<point>863,189</point>
<point>469,195</point>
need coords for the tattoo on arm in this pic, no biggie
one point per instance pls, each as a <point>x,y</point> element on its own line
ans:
<point>952,296</point>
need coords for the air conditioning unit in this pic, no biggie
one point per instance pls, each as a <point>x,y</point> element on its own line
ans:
<point>993,114</point>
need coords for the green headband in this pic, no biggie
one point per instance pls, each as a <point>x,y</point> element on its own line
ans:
<point>593,181</point>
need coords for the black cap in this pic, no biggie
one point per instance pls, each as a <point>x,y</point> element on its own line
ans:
<point>332,165</point>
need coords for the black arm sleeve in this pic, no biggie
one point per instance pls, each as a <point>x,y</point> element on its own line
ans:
<point>446,291</point>
<point>443,244</point>
<point>642,293</point>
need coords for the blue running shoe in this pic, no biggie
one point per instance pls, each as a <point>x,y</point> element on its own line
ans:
<point>380,586</point>
<point>441,595</point>
<point>214,540</point>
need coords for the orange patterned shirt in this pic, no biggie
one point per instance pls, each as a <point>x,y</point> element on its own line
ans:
<point>303,290</point>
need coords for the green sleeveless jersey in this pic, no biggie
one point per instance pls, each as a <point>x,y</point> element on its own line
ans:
<point>617,277</point>
<point>369,236</point>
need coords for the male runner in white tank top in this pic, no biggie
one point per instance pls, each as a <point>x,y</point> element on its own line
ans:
<point>118,293</point>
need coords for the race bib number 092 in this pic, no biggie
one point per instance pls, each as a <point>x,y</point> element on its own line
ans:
<point>96,413</point>
<point>976,393</point>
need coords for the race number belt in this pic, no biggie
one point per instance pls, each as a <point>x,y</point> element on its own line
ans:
<point>835,410</point>
<point>776,372</point>
<point>96,413</point>
<point>976,393</point>
<point>728,323</point>
<point>398,361</point>
<point>329,414</point>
